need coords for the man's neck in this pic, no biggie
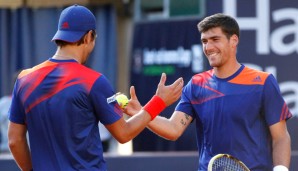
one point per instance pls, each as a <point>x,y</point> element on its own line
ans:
<point>227,70</point>
<point>67,53</point>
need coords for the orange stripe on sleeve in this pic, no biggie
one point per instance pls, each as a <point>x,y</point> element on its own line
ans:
<point>250,77</point>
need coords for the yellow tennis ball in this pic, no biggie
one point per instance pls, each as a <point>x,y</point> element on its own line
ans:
<point>122,100</point>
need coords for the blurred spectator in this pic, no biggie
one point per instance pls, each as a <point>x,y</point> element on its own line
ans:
<point>105,137</point>
<point>4,107</point>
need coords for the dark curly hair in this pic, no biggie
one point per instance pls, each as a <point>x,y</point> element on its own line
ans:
<point>62,43</point>
<point>227,23</point>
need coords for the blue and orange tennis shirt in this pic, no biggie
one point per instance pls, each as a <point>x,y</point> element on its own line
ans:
<point>233,115</point>
<point>61,103</point>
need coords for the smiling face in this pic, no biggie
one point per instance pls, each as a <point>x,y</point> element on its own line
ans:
<point>218,48</point>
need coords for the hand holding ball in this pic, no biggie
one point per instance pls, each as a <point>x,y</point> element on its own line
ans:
<point>122,100</point>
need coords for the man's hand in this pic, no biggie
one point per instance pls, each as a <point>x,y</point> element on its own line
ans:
<point>171,93</point>
<point>133,105</point>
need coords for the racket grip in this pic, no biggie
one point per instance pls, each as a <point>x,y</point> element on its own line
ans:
<point>155,106</point>
<point>280,168</point>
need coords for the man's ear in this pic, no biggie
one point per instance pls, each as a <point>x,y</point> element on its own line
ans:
<point>88,37</point>
<point>235,40</point>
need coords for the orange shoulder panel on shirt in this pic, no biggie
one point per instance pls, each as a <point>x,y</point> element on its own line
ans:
<point>30,70</point>
<point>250,77</point>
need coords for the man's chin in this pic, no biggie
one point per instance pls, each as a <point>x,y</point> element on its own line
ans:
<point>212,64</point>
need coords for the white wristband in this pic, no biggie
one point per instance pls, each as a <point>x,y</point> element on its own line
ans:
<point>280,168</point>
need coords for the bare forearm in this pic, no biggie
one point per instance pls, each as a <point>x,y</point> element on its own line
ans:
<point>164,128</point>
<point>21,154</point>
<point>282,151</point>
<point>137,123</point>
<point>125,130</point>
<point>18,145</point>
<point>172,128</point>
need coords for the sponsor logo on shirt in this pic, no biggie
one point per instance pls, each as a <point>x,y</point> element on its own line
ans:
<point>111,99</point>
<point>257,79</point>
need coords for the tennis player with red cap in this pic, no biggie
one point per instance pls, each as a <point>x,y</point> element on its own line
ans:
<point>60,102</point>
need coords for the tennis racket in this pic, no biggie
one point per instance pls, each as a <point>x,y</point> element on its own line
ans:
<point>226,162</point>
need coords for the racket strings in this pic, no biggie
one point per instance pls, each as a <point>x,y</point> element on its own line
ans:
<point>227,164</point>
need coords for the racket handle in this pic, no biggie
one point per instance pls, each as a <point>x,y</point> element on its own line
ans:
<point>280,168</point>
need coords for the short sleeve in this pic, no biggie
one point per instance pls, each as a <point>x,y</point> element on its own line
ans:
<point>16,111</point>
<point>104,103</point>
<point>275,108</point>
<point>184,104</point>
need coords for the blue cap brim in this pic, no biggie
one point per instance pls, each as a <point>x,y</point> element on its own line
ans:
<point>68,36</point>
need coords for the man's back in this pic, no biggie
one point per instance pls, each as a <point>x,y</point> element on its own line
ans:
<point>61,116</point>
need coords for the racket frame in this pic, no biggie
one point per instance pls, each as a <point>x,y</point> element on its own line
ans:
<point>226,156</point>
